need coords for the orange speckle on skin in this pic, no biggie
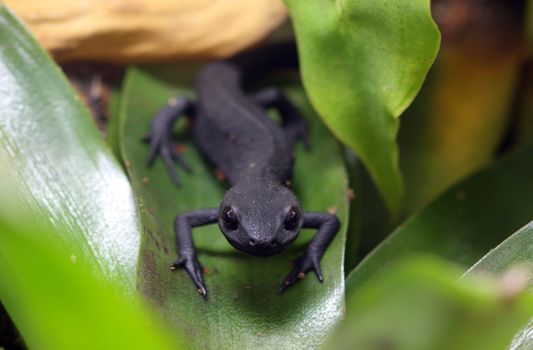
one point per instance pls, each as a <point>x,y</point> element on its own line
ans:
<point>180,148</point>
<point>332,210</point>
<point>301,275</point>
<point>220,176</point>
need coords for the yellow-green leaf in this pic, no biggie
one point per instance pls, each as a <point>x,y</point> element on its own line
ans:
<point>362,64</point>
<point>513,258</point>
<point>422,305</point>
<point>64,171</point>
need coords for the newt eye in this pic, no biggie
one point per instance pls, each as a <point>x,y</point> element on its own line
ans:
<point>293,219</point>
<point>229,219</point>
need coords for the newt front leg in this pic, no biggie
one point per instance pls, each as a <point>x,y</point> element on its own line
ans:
<point>328,226</point>
<point>186,250</point>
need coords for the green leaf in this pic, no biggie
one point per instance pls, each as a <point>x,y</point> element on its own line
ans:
<point>523,340</point>
<point>464,223</point>
<point>69,231</point>
<point>514,251</point>
<point>362,64</point>
<point>421,305</point>
<point>64,171</point>
<point>515,257</point>
<point>244,309</point>
<point>57,300</point>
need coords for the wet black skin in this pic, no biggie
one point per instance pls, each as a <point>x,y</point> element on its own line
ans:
<point>259,214</point>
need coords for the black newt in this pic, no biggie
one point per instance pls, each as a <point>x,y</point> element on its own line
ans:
<point>259,214</point>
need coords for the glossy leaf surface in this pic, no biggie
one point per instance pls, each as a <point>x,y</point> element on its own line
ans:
<point>243,309</point>
<point>64,171</point>
<point>57,300</point>
<point>514,257</point>
<point>69,231</point>
<point>516,250</point>
<point>421,305</point>
<point>362,64</point>
<point>464,223</point>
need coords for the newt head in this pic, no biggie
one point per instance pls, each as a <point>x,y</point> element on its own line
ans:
<point>260,220</point>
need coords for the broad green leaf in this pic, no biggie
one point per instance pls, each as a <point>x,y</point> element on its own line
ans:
<point>464,223</point>
<point>517,250</point>
<point>514,255</point>
<point>443,139</point>
<point>64,171</point>
<point>458,121</point>
<point>243,309</point>
<point>362,64</point>
<point>421,305</point>
<point>57,300</point>
<point>523,340</point>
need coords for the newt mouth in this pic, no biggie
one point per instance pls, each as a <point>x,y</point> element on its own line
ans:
<point>259,251</point>
<point>263,250</point>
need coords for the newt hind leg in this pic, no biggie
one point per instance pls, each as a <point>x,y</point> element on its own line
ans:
<point>293,124</point>
<point>160,136</point>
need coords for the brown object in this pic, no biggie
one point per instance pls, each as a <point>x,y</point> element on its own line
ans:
<point>126,31</point>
